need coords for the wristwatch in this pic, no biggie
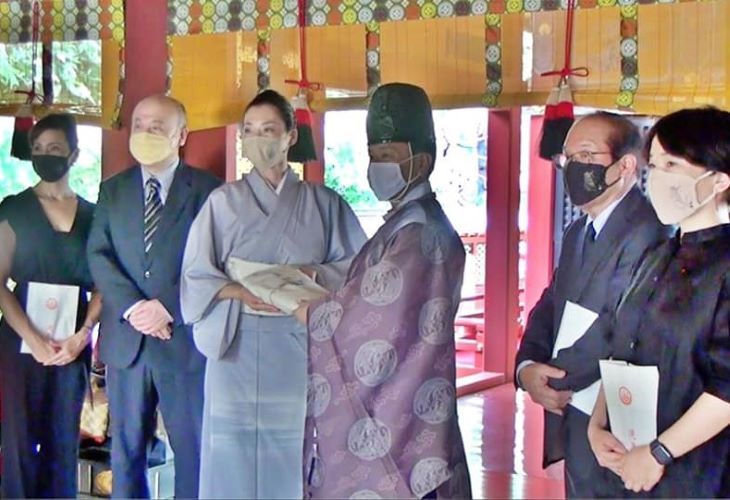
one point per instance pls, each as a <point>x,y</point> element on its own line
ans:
<point>660,453</point>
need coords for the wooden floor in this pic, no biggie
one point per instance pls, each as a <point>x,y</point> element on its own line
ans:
<point>502,431</point>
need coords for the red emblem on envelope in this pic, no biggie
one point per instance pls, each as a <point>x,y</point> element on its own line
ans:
<point>52,304</point>
<point>624,395</point>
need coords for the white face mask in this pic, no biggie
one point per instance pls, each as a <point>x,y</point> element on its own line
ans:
<point>386,179</point>
<point>674,195</point>
<point>265,152</point>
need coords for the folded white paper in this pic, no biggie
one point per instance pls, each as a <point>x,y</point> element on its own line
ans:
<point>282,286</point>
<point>585,399</point>
<point>52,310</point>
<point>632,394</point>
<point>574,324</point>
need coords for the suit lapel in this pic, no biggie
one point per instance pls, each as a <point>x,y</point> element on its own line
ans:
<point>177,198</point>
<point>570,259</point>
<point>610,237</point>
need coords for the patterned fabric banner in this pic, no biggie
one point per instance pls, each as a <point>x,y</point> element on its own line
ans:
<point>372,56</point>
<point>189,17</point>
<point>629,56</point>
<point>493,56</point>
<point>62,20</point>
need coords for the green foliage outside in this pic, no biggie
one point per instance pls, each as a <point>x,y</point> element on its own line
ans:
<point>76,73</point>
<point>346,158</point>
<point>76,81</point>
<point>344,175</point>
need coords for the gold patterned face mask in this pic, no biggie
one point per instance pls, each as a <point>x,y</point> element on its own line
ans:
<point>148,148</point>
<point>265,152</point>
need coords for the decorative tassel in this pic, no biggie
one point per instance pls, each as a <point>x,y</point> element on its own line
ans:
<point>304,150</point>
<point>20,146</point>
<point>559,117</point>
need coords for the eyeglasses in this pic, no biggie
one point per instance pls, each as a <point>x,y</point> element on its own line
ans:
<point>561,160</point>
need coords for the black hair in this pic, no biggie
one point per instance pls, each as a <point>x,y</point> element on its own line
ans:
<point>64,122</point>
<point>279,102</point>
<point>699,135</point>
<point>624,137</point>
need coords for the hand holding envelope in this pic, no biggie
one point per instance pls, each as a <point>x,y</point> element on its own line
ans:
<point>69,349</point>
<point>40,348</point>
<point>576,321</point>
<point>273,289</point>
<point>51,309</point>
<point>285,287</point>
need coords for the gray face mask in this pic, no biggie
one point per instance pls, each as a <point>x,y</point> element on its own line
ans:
<point>386,180</point>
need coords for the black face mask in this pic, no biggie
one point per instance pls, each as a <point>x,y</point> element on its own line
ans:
<point>585,181</point>
<point>50,168</point>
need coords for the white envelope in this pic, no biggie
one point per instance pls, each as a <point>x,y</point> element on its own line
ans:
<point>283,286</point>
<point>632,394</point>
<point>585,399</point>
<point>52,310</point>
<point>574,324</point>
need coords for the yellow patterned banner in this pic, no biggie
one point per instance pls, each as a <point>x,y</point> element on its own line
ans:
<point>62,20</point>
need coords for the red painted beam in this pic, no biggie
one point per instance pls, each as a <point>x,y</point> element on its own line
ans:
<point>540,203</point>
<point>503,198</point>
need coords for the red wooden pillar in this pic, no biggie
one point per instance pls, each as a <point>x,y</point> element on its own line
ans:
<point>502,256</point>
<point>501,307</point>
<point>145,69</point>
<point>540,230</point>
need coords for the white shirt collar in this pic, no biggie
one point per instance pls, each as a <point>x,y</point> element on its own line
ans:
<point>600,221</point>
<point>166,176</point>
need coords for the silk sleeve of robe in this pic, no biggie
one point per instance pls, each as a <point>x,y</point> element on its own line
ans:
<point>307,225</point>
<point>381,397</point>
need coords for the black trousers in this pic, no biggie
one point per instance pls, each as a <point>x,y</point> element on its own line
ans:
<point>41,413</point>
<point>134,395</point>
<point>584,478</point>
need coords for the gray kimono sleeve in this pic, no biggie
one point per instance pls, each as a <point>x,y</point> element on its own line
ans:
<point>214,321</point>
<point>345,239</point>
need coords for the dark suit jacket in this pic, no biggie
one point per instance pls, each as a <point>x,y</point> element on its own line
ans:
<point>125,275</point>
<point>596,284</point>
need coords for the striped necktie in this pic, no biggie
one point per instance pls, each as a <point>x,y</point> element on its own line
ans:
<point>152,211</point>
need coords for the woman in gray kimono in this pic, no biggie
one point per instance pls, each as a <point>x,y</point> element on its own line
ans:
<point>255,385</point>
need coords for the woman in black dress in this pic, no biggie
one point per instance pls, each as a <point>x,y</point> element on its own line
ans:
<point>43,232</point>
<point>676,316</point>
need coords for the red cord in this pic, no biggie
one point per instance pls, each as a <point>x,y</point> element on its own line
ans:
<point>303,82</point>
<point>568,55</point>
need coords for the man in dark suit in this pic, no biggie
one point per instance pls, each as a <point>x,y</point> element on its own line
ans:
<point>600,252</point>
<point>135,253</point>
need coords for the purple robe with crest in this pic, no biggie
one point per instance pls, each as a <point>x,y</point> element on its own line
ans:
<point>381,402</point>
